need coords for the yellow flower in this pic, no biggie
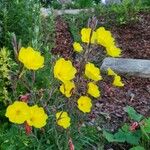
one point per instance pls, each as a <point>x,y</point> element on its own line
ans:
<point>30,58</point>
<point>117,81</point>
<point>92,72</point>
<point>85,35</point>
<point>63,119</point>
<point>77,47</point>
<point>111,72</point>
<point>104,37</point>
<point>64,70</point>
<point>84,104</point>
<point>37,117</point>
<point>67,87</point>
<point>113,51</point>
<point>93,90</point>
<point>18,112</point>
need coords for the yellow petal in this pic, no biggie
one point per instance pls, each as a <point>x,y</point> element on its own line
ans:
<point>117,81</point>
<point>77,47</point>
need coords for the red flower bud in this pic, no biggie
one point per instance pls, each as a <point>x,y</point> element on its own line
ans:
<point>134,126</point>
<point>24,98</point>
<point>28,128</point>
<point>71,145</point>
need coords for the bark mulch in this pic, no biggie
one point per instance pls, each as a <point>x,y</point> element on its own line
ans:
<point>134,40</point>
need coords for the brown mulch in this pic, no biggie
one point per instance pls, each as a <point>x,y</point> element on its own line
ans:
<point>135,93</point>
<point>134,38</point>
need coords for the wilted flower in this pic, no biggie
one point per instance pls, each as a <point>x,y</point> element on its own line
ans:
<point>63,119</point>
<point>37,117</point>
<point>86,35</point>
<point>18,112</point>
<point>93,90</point>
<point>31,59</point>
<point>67,87</point>
<point>64,70</point>
<point>77,47</point>
<point>92,72</point>
<point>84,104</point>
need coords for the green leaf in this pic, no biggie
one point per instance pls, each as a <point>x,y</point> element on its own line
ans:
<point>108,136</point>
<point>133,114</point>
<point>120,136</point>
<point>137,148</point>
<point>125,128</point>
<point>146,125</point>
<point>133,138</point>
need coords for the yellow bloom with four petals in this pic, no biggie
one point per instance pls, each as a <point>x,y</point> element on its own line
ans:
<point>84,104</point>
<point>31,59</point>
<point>86,35</point>
<point>37,117</point>
<point>92,72</point>
<point>63,119</point>
<point>64,70</point>
<point>104,37</point>
<point>93,90</point>
<point>18,112</point>
<point>67,87</point>
<point>77,47</point>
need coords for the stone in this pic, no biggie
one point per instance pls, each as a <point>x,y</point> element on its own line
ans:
<point>111,2</point>
<point>134,67</point>
<point>45,12</point>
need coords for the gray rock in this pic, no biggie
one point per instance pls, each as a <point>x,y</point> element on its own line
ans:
<point>45,12</point>
<point>135,67</point>
<point>111,1</point>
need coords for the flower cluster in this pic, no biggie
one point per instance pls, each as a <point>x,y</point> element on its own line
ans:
<point>66,72</point>
<point>19,112</point>
<point>102,37</point>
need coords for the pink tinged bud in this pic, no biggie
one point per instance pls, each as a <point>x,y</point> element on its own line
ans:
<point>134,126</point>
<point>24,98</point>
<point>28,128</point>
<point>71,145</point>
